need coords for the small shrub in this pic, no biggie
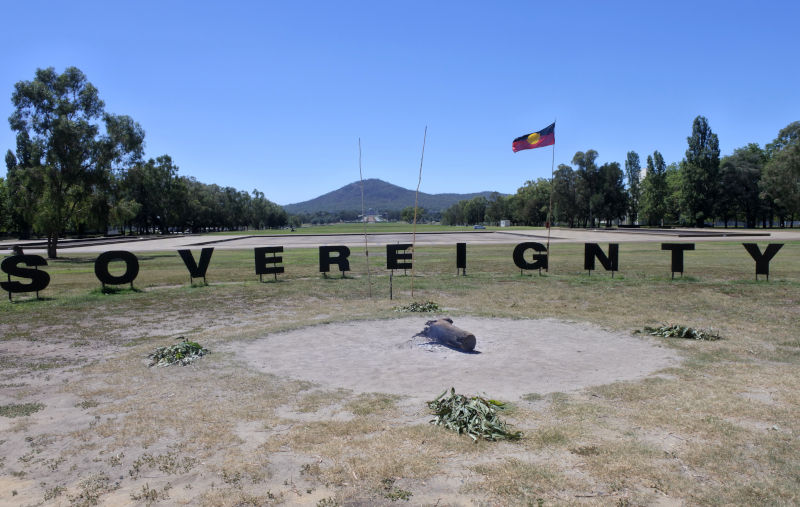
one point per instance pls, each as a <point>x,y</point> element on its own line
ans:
<point>20,410</point>
<point>427,306</point>
<point>394,493</point>
<point>533,397</point>
<point>586,450</point>
<point>677,331</point>
<point>92,488</point>
<point>183,353</point>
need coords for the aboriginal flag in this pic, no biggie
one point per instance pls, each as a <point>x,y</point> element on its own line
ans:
<point>544,137</point>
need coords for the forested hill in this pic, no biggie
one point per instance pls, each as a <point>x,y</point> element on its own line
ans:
<point>378,195</point>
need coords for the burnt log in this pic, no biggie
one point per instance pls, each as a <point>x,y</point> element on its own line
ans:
<point>444,332</point>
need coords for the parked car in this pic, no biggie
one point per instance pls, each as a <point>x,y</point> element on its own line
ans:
<point>478,227</point>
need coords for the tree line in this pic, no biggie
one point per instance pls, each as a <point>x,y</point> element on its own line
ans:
<point>78,168</point>
<point>752,186</point>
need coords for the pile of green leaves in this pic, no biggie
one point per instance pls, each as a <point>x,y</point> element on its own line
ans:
<point>427,306</point>
<point>182,353</point>
<point>676,331</point>
<point>475,416</point>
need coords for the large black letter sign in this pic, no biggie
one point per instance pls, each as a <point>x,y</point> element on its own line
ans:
<point>39,279</point>
<point>762,260</point>
<point>106,278</point>
<point>677,254</point>
<point>593,250</point>
<point>196,271</point>
<point>393,255</point>
<point>325,259</point>
<point>539,260</point>
<point>461,258</point>
<point>262,260</point>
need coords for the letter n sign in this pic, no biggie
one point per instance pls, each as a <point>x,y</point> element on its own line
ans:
<point>593,250</point>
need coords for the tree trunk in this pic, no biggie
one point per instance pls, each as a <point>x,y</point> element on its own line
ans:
<point>52,245</point>
<point>444,332</point>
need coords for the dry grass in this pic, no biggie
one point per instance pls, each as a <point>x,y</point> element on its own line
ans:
<point>718,429</point>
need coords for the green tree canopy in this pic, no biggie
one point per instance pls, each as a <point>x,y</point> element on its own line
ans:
<point>700,172</point>
<point>588,198</point>
<point>633,170</point>
<point>5,213</point>
<point>611,189</point>
<point>654,190</point>
<point>530,204</point>
<point>565,205</point>
<point>780,182</point>
<point>739,178</point>
<point>498,208</point>
<point>64,153</point>
<point>407,213</point>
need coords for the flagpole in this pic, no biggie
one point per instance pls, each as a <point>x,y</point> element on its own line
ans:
<point>364,219</point>
<point>550,208</point>
<point>416,200</point>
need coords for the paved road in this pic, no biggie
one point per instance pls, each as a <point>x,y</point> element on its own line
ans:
<point>299,240</point>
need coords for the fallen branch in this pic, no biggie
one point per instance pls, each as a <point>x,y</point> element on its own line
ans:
<point>475,416</point>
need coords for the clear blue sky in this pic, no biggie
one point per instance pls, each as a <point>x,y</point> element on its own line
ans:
<point>274,95</point>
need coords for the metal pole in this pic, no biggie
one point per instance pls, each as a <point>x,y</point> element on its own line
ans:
<point>550,208</point>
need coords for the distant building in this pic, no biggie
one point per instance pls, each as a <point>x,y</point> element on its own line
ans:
<point>372,216</point>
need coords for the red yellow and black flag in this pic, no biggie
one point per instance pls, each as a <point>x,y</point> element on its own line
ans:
<point>544,137</point>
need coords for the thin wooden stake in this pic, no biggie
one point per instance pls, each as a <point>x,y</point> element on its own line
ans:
<point>364,219</point>
<point>550,208</point>
<point>416,200</point>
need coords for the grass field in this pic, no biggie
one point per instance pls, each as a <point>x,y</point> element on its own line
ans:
<point>85,420</point>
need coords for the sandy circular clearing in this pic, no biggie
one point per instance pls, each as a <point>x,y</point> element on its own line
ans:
<point>515,357</point>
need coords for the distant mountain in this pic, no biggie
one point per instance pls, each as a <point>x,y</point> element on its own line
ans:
<point>378,195</point>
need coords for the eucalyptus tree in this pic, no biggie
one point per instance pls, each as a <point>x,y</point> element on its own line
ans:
<point>497,208</point>
<point>565,204</point>
<point>780,182</point>
<point>154,186</point>
<point>529,205</point>
<point>266,214</point>
<point>57,118</point>
<point>23,182</point>
<point>611,189</point>
<point>739,178</point>
<point>5,213</point>
<point>588,198</point>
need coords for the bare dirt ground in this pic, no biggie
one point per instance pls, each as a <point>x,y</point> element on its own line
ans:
<point>512,357</point>
<point>105,416</point>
